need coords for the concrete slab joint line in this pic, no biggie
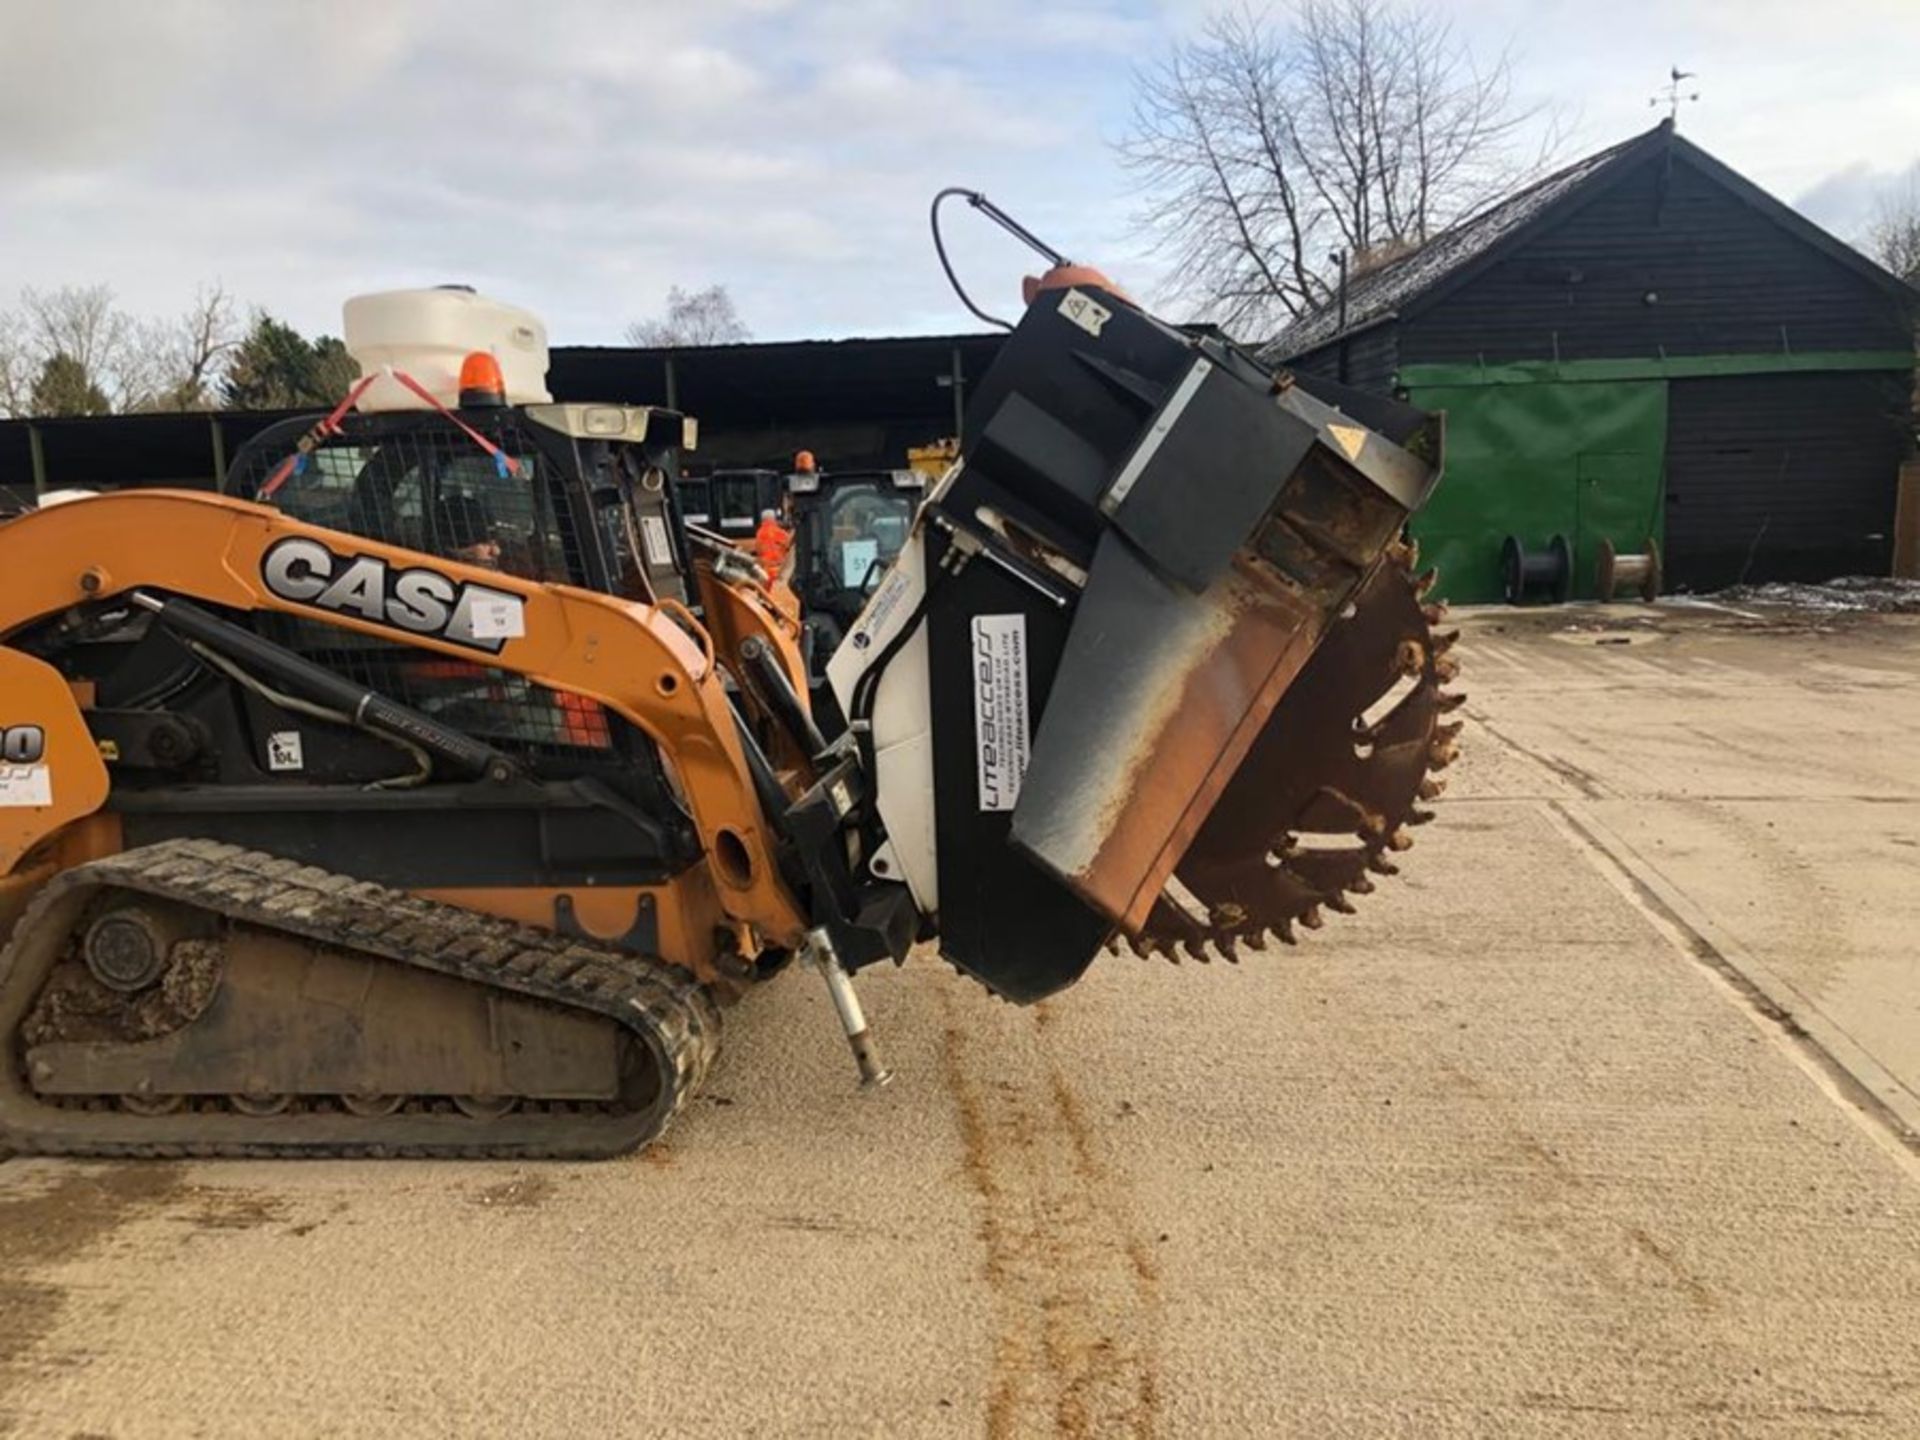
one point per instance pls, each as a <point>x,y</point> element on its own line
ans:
<point>1796,1019</point>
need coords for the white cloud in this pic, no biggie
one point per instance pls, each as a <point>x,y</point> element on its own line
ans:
<point>582,157</point>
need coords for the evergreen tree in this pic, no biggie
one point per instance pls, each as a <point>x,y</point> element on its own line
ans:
<point>277,368</point>
<point>63,387</point>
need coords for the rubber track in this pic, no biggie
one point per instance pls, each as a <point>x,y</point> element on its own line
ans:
<point>672,1014</point>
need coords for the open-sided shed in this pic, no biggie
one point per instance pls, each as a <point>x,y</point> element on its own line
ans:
<point>858,403</point>
<point>1643,345</point>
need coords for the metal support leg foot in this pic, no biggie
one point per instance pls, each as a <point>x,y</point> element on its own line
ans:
<point>846,1004</point>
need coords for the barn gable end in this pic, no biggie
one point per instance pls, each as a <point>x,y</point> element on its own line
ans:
<point>1643,347</point>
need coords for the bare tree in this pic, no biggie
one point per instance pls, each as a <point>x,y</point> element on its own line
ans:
<point>17,364</point>
<point>697,317</point>
<point>81,324</point>
<point>186,355</point>
<point>1893,238</point>
<point>129,363</point>
<point>1267,145</point>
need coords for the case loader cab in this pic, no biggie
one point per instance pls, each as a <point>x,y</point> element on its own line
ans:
<point>572,494</point>
<point>849,527</point>
<point>578,494</point>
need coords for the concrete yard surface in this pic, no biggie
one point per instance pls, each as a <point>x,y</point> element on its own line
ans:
<point>1592,1122</point>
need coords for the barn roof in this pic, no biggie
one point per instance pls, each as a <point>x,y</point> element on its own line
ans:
<point>1422,276</point>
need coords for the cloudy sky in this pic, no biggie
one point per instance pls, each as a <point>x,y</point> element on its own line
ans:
<point>580,158</point>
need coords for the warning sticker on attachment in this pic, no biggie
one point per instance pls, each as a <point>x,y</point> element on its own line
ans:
<point>25,785</point>
<point>1085,311</point>
<point>1000,707</point>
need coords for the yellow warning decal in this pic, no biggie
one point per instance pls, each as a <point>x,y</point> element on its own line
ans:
<point>1349,438</point>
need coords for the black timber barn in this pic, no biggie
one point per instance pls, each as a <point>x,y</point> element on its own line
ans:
<point>1642,345</point>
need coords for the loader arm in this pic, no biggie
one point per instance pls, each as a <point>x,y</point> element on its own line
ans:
<point>635,659</point>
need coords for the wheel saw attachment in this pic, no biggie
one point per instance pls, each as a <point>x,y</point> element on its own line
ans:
<point>1154,664</point>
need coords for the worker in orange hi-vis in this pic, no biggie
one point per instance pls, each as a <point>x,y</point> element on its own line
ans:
<point>771,542</point>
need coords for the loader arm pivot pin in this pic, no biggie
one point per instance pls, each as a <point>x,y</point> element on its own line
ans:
<point>853,1020</point>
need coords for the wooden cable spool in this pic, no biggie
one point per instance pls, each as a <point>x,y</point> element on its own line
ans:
<point>1616,572</point>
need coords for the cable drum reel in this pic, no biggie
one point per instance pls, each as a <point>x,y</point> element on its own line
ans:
<point>1536,576</point>
<point>1616,572</point>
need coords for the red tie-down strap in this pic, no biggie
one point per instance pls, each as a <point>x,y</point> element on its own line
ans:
<point>508,465</point>
<point>309,442</point>
<point>330,424</point>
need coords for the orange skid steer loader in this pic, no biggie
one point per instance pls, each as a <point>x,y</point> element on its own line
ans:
<point>434,789</point>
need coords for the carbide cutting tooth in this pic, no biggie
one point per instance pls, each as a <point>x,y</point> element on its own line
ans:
<point>1227,917</point>
<point>1228,952</point>
<point>1443,641</point>
<point>1312,918</point>
<point>1419,817</point>
<point>1441,754</point>
<point>1285,931</point>
<point>1362,885</point>
<point>1405,554</point>
<point>1400,840</point>
<point>1410,658</point>
<point>1425,581</point>
<point>1432,614</point>
<point>1432,787</point>
<point>1448,701</point>
<point>1380,865</point>
<point>1339,903</point>
<point>1255,940</point>
<point>1448,730</point>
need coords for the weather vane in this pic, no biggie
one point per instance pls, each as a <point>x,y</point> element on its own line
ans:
<point>1672,95</point>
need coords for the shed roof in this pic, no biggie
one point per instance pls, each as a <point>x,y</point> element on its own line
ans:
<point>1422,276</point>
<point>863,379</point>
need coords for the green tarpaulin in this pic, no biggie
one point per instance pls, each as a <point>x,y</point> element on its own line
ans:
<point>1575,448</point>
<point>1583,460</point>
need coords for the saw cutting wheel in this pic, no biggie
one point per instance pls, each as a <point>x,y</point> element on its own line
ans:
<point>1328,791</point>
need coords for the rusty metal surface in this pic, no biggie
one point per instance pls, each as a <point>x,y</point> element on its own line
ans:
<point>1323,798</point>
<point>1158,743</point>
<point>1158,739</point>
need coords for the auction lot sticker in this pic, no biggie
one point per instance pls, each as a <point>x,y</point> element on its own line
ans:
<point>25,785</point>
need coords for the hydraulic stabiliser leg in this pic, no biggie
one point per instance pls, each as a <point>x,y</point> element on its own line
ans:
<point>846,1004</point>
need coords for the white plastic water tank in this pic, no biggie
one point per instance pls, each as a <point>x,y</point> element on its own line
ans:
<point>427,333</point>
